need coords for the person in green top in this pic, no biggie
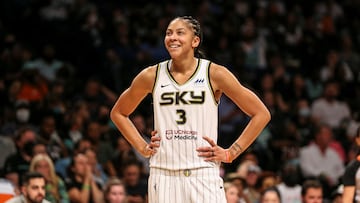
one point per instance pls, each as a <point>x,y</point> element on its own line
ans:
<point>55,189</point>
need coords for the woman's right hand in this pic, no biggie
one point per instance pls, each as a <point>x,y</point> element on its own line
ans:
<point>151,148</point>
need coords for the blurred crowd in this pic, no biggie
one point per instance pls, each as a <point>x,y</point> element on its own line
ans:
<point>63,63</point>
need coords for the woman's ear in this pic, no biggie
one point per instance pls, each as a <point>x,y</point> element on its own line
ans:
<point>196,42</point>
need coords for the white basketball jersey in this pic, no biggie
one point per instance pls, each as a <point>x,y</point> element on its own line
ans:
<point>183,114</point>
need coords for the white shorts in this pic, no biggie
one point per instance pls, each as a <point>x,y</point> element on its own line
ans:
<point>202,185</point>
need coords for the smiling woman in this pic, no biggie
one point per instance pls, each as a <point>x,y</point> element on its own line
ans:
<point>186,91</point>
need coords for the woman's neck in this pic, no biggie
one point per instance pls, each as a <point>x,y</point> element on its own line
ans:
<point>183,66</point>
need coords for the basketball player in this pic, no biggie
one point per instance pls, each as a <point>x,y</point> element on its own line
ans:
<point>186,90</point>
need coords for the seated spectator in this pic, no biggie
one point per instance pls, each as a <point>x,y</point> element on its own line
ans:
<point>329,109</point>
<point>136,187</point>
<point>270,194</point>
<point>123,153</point>
<point>96,168</point>
<point>33,87</point>
<point>32,189</point>
<point>103,148</point>
<point>114,191</point>
<point>50,135</point>
<point>266,180</point>
<point>22,117</point>
<point>252,176</point>
<point>312,191</point>
<point>62,164</point>
<point>319,160</point>
<point>231,192</point>
<point>55,189</point>
<point>47,65</point>
<point>18,163</point>
<point>240,182</point>
<point>289,186</point>
<point>80,184</point>
<point>350,178</point>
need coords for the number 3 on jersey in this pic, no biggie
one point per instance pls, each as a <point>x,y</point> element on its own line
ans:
<point>182,116</point>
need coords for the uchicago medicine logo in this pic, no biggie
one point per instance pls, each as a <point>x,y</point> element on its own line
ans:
<point>181,134</point>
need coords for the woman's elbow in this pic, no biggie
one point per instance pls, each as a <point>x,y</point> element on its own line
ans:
<point>114,113</point>
<point>267,115</point>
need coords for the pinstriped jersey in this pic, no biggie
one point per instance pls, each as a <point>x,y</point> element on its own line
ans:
<point>183,114</point>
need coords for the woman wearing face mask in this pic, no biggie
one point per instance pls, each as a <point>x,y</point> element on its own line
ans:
<point>21,118</point>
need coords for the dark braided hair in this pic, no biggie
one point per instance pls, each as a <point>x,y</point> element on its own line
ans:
<point>196,28</point>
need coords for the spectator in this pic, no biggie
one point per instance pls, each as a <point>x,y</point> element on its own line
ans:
<point>114,191</point>
<point>349,54</point>
<point>329,109</point>
<point>51,136</point>
<point>311,191</point>
<point>78,115</point>
<point>95,94</point>
<point>62,164</point>
<point>22,117</point>
<point>47,65</point>
<point>18,163</point>
<point>32,189</point>
<point>140,124</point>
<point>252,176</point>
<point>266,180</point>
<point>319,159</point>
<point>102,147</point>
<point>97,170</point>
<point>123,153</point>
<point>335,68</point>
<point>290,184</point>
<point>270,195</point>
<point>231,193</point>
<point>254,47</point>
<point>33,88</point>
<point>80,184</point>
<point>39,148</point>
<point>350,178</point>
<point>136,186</point>
<point>55,189</point>
<point>240,183</point>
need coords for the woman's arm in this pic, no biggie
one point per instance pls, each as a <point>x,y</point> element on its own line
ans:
<point>127,102</point>
<point>223,81</point>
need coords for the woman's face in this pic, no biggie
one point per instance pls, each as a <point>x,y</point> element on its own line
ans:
<point>270,197</point>
<point>80,164</point>
<point>180,39</point>
<point>116,194</point>
<point>232,194</point>
<point>43,167</point>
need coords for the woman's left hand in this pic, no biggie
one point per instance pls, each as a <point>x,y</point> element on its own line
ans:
<point>213,152</point>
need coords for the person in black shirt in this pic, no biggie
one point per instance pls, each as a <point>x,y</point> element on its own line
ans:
<point>80,184</point>
<point>351,177</point>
